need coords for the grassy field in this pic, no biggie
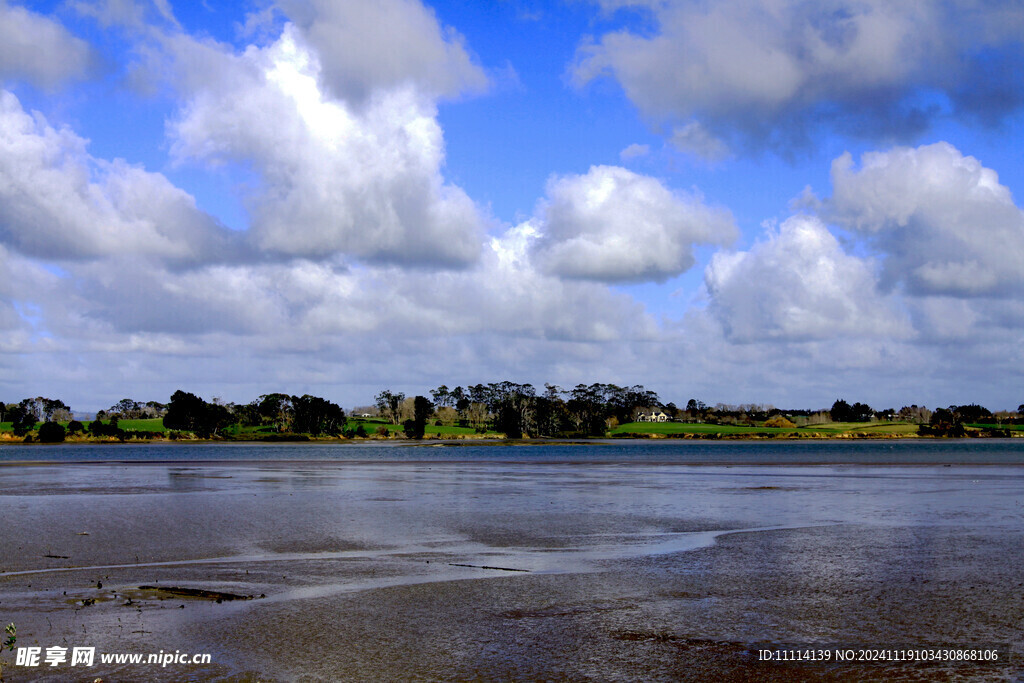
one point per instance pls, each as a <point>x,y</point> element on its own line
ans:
<point>1012,428</point>
<point>832,428</point>
<point>154,424</point>
<point>865,427</point>
<point>431,430</point>
<point>686,428</point>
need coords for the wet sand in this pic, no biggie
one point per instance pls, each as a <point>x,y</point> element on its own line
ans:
<point>400,570</point>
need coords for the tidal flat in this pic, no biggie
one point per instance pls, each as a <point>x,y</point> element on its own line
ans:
<point>623,562</point>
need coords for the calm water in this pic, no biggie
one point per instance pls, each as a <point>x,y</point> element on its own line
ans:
<point>894,452</point>
<point>624,552</point>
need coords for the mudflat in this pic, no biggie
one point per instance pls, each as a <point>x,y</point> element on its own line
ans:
<point>518,568</point>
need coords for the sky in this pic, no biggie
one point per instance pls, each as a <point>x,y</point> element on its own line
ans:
<point>746,201</point>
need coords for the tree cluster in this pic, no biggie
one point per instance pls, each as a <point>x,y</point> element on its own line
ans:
<point>24,415</point>
<point>188,412</point>
<point>518,410</point>
<point>128,409</point>
<point>284,413</point>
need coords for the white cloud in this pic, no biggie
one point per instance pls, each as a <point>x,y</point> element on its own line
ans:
<point>364,181</point>
<point>943,221</point>
<point>112,282</point>
<point>799,285</point>
<point>768,72</point>
<point>57,202</point>
<point>364,46</point>
<point>634,151</point>
<point>613,225</point>
<point>38,49</point>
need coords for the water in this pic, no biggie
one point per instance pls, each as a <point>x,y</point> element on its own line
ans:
<point>827,452</point>
<point>636,560</point>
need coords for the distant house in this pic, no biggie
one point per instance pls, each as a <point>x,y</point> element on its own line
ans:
<point>650,415</point>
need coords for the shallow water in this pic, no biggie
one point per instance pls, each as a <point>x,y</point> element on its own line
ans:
<point>699,452</point>
<point>382,550</point>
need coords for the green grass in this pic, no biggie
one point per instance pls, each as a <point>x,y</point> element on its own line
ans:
<point>824,429</point>
<point>886,428</point>
<point>371,426</point>
<point>1012,428</point>
<point>154,424</point>
<point>687,428</point>
<point>865,427</point>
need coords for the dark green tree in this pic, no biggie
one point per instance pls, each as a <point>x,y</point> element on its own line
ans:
<point>23,420</point>
<point>514,407</point>
<point>586,408</point>
<point>190,413</point>
<point>276,410</point>
<point>422,409</point>
<point>51,432</point>
<point>971,413</point>
<point>944,422</point>
<point>316,416</point>
<point>861,412</point>
<point>841,411</point>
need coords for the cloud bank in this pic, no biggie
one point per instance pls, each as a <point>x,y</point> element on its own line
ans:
<point>362,265</point>
<point>757,74</point>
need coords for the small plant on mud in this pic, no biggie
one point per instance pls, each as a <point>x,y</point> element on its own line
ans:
<point>12,637</point>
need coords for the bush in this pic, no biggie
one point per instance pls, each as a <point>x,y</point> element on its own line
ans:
<point>75,426</point>
<point>780,421</point>
<point>382,431</point>
<point>51,432</point>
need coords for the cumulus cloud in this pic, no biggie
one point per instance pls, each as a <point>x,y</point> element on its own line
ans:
<point>364,46</point>
<point>38,49</point>
<point>58,202</point>
<point>364,181</point>
<point>799,285</point>
<point>943,222</point>
<point>614,225</point>
<point>126,269</point>
<point>766,73</point>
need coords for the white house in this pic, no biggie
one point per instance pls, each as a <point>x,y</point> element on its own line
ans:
<point>650,415</point>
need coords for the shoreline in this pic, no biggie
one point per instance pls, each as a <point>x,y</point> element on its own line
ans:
<point>474,440</point>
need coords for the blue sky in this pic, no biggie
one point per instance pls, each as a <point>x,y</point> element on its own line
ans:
<point>747,201</point>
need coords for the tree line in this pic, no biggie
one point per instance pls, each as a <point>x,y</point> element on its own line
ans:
<point>516,410</point>
<point>519,410</point>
